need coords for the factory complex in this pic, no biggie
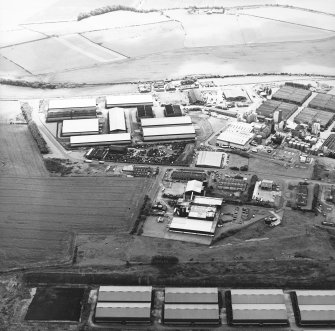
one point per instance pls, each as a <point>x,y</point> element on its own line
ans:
<point>236,136</point>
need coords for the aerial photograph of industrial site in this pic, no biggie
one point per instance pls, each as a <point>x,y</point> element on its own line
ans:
<point>167,165</point>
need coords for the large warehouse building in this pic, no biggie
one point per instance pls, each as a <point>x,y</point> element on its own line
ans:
<point>210,159</point>
<point>86,126</point>
<point>123,304</point>
<point>323,102</point>
<point>63,109</point>
<point>310,116</point>
<point>250,307</point>
<point>117,120</point>
<point>237,135</point>
<point>194,226</point>
<point>100,139</point>
<point>129,100</point>
<point>190,314</point>
<point>292,95</point>
<point>166,121</point>
<point>268,108</point>
<point>314,308</point>
<point>177,132</point>
<point>191,295</point>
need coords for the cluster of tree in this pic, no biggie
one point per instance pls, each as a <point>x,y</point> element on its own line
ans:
<point>243,168</point>
<point>144,212</point>
<point>109,9</point>
<point>56,166</point>
<point>164,259</point>
<point>35,132</point>
<point>316,192</point>
<point>43,85</point>
<point>26,112</point>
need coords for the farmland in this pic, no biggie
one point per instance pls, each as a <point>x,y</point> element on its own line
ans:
<point>40,215</point>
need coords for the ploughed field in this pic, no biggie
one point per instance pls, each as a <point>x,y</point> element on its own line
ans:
<point>39,216</point>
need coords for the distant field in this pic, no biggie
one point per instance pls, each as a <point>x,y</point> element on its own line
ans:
<point>8,67</point>
<point>57,54</point>
<point>39,214</point>
<point>136,41</point>
<point>13,37</point>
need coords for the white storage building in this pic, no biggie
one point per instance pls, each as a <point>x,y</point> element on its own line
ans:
<point>86,126</point>
<point>257,296</point>
<point>191,314</point>
<point>207,201</point>
<point>129,100</point>
<point>124,293</point>
<point>166,121</point>
<point>117,120</point>
<point>169,133</point>
<point>209,159</point>
<point>237,135</point>
<point>191,295</point>
<point>195,226</point>
<point>316,297</point>
<point>317,314</point>
<point>100,139</point>
<point>123,312</point>
<point>80,103</point>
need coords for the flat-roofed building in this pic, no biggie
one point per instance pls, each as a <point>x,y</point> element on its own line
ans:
<point>86,126</point>
<point>202,212</point>
<point>166,121</point>
<point>117,120</point>
<point>125,293</point>
<point>123,312</point>
<point>317,315</point>
<point>191,314</point>
<point>315,297</point>
<point>191,295</point>
<point>129,100</point>
<point>234,139</point>
<point>100,139</point>
<point>194,226</point>
<point>257,296</point>
<point>266,314</point>
<point>194,186</point>
<point>80,103</point>
<point>235,94</point>
<point>207,201</point>
<point>179,132</point>
<point>209,159</point>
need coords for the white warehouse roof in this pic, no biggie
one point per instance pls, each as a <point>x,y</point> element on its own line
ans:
<point>311,297</point>
<point>207,201</point>
<point>129,99</point>
<point>317,312</point>
<point>161,121</point>
<point>125,293</point>
<point>237,138</point>
<point>72,103</point>
<point>257,296</point>
<point>259,312</point>
<point>194,185</point>
<point>209,159</point>
<point>168,130</point>
<point>191,295</point>
<point>73,127</point>
<point>100,139</point>
<point>115,310</point>
<point>192,225</point>
<point>117,120</point>
<point>191,312</point>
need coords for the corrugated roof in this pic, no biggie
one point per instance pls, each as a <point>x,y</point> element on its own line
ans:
<point>125,293</point>
<point>310,297</point>
<point>129,99</point>
<point>259,312</point>
<point>80,125</point>
<point>194,185</point>
<point>192,225</point>
<point>317,312</point>
<point>117,120</point>
<point>238,138</point>
<point>191,312</point>
<point>72,103</point>
<point>191,295</point>
<point>208,201</point>
<point>100,138</point>
<point>168,130</point>
<point>123,310</point>
<point>257,296</point>
<point>209,159</point>
<point>160,121</point>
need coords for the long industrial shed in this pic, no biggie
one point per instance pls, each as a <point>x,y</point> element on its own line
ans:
<point>181,132</point>
<point>100,139</point>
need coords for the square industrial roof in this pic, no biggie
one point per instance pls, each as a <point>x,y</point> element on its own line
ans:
<point>316,297</point>
<point>116,119</point>
<point>80,126</point>
<point>317,312</point>
<point>209,159</point>
<point>191,311</point>
<point>191,295</point>
<point>123,310</point>
<point>192,225</point>
<point>194,185</point>
<point>160,121</point>
<point>258,296</point>
<point>238,138</point>
<point>72,103</point>
<point>259,312</point>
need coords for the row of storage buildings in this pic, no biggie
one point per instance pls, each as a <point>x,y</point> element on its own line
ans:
<point>201,306</point>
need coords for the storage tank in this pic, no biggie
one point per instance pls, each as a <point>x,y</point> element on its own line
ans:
<point>259,139</point>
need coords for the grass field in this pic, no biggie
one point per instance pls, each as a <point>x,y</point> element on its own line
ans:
<point>39,214</point>
<point>8,38</point>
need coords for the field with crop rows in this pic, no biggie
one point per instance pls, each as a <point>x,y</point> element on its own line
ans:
<point>39,214</point>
